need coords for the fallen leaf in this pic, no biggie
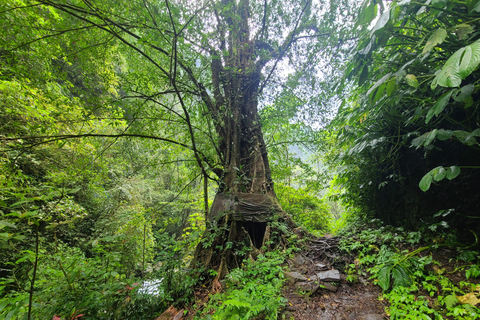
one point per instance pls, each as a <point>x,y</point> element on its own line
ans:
<point>469,298</point>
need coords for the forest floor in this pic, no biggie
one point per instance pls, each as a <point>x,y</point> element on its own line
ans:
<point>317,290</point>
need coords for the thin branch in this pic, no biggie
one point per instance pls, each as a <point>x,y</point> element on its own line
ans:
<point>22,7</point>
<point>288,42</point>
<point>85,135</point>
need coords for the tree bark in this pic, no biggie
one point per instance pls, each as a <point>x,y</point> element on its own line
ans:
<point>245,204</point>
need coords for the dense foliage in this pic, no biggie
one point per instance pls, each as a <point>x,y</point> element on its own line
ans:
<point>424,274</point>
<point>115,120</point>
<point>410,125</point>
<point>103,170</point>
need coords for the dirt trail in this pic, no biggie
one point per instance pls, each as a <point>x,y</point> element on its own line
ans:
<point>317,288</point>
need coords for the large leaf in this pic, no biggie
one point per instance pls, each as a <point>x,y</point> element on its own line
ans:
<point>449,75</point>
<point>463,30</point>
<point>469,298</point>
<point>463,93</point>
<point>436,38</point>
<point>453,172</point>
<point>443,134</point>
<point>439,106</point>
<point>384,277</point>
<point>400,277</point>
<point>378,83</point>
<point>465,137</point>
<point>382,21</point>
<point>470,59</point>
<point>367,13</point>
<point>426,181</point>
<point>411,80</point>
<point>459,66</point>
<point>438,174</point>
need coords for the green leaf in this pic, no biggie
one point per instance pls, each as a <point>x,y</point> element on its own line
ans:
<point>464,92</point>
<point>475,133</point>
<point>4,223</point>
<point>452,172</point>
<point>450,301</point>
<point>449,75</point>
<point>439,106</point>
<point>411,80</point>
<point>436,38</point>
<point>418,142</point>
<point>367,13</point>
<point>430,137</point>
<point>465,137</point>
<point>443,134</point>
<point>463,30</point>
<point>391,87</point>
<point>363,75</point>
<point>382,21</point>
<point>476,8</point>
<point>378,83</point>
<point>427,179</point>
<point>401,277</point>
<point>384,277</point>
<point>470,59</point>
<point>439,174</point>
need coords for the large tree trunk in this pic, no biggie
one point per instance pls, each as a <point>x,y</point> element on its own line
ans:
<point>245,204</point>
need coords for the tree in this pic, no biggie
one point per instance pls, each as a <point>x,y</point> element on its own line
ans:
<point>192,74</point>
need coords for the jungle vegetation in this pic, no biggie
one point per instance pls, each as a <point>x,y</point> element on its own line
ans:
<point>183,140</point>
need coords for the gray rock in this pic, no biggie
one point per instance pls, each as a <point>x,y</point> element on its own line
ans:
<point>299,260</point>
<point>330,287</point>
<point>320,266</point>
<point>330,275</point>
<point>308,287</point>
<point>372,316</point>
<point>294,276</point>
<point>352,316</point>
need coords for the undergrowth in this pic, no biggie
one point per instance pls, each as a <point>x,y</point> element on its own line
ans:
<point>423,274</point>
<point>253,291</point>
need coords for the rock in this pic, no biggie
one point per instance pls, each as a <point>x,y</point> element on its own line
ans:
<point>352,316</point>
<point>299,260</point>
<point>372,316</point>
<point>308,287</point>
<point>330,275</point>
<point>320,267</point>
<point>330,287</point>
<point>294,276</point>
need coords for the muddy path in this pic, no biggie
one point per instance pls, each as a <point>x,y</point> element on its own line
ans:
<point>317,288</point>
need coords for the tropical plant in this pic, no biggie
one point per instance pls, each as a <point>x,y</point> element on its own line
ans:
<point>411,118</point>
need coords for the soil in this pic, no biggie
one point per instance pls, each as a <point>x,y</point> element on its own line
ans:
<point>332,300</point>
<point>317,288</point>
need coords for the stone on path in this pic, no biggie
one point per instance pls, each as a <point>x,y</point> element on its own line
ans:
<point>299,260</point>
<point>295,276</point>
<point>320,266</point>
<point>308,287</point>
<point>330,275</point>
<point>330,287</point>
